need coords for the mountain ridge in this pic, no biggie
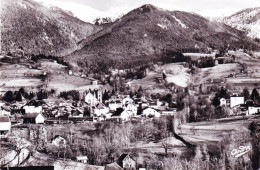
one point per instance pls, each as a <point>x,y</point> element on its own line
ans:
<point>247,20</point>
<point>147,31</point>
<point>36,29</point>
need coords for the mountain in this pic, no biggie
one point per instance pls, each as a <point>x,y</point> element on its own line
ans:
<point>247,20</point>
<point>37,29</point>
<point>144,33</point>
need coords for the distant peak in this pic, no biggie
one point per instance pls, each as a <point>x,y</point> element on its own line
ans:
<point>148,8</point>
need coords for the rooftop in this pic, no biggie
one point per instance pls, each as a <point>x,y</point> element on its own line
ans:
<point>4,119</point>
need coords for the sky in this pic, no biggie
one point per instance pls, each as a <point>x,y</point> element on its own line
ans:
<point>88,10</point>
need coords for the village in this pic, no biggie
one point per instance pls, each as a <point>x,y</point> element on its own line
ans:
<point>91,108</point>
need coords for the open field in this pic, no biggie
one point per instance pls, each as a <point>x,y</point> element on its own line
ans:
<point>217,72</point>
<point>199,133</point>
<point>66,82</point>
<point>15,76</point>
<point>176,73</point>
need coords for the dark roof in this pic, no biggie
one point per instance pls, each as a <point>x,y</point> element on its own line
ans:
<point>123,156</point>
<point>4,119</point>
<point>31,115</point>
<point>35,103</point>
<point>100,106</point>
<point>118,112</point>
<point>113,166</point>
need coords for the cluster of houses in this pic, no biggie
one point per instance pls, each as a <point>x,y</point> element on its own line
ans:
<point>240,106</point>
<point>117,108</point>
<point>123,108</point>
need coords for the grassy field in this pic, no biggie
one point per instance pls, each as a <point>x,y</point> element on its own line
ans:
<point>30,77</point>
<point>15,76</point>
<point>217,72</point>
<point>176,73</point>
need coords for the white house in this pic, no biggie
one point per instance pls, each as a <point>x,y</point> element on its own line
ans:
<point>114,104</point>
<point>5,125</point>
<point>34,118</point>
<point>131,108</point>
<point>126,162</point>
<point>127,100</point>
<point>151,112</point>
<point>82,159</point>
<point>253,110</point>
<point>126,115</point>
<point>101,109</point>
<point>223,102</point>
<point>234,101</point>
<point>4,113</point>
<point>32,109</point>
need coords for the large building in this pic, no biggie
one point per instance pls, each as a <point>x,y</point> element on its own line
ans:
<point>236,100</point>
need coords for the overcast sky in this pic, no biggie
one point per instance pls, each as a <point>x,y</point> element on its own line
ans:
<point>88,10</point>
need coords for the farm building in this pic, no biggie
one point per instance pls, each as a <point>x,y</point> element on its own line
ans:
<point>5,125</point>
<point>127,162</point>
<point>34,118</point>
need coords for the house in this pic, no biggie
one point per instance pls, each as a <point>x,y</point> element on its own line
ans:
<point>131,108</point>
<point>4,113</point>
<point>150,112</point>
<point>33,106</point>
<point>223,102</point>
<point>126,115</point>
<point>77,112</point>
<point>32,109</point>
<point>34,118</point>
<point>115,104</point>
<point>100,110</point>
<point>82,159</point>
<point>127,100</point>
<point>236,100</point>
<point>127,162</point>
<point>253,110</point>
<point>5,125</point>
<point>113,166</point>
<point>59,141</point>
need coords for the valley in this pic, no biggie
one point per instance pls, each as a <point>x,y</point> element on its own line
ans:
<point>152,89</point>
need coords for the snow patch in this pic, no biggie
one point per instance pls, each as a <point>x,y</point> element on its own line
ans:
<point>162,26</point>
<point>179,22</point>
